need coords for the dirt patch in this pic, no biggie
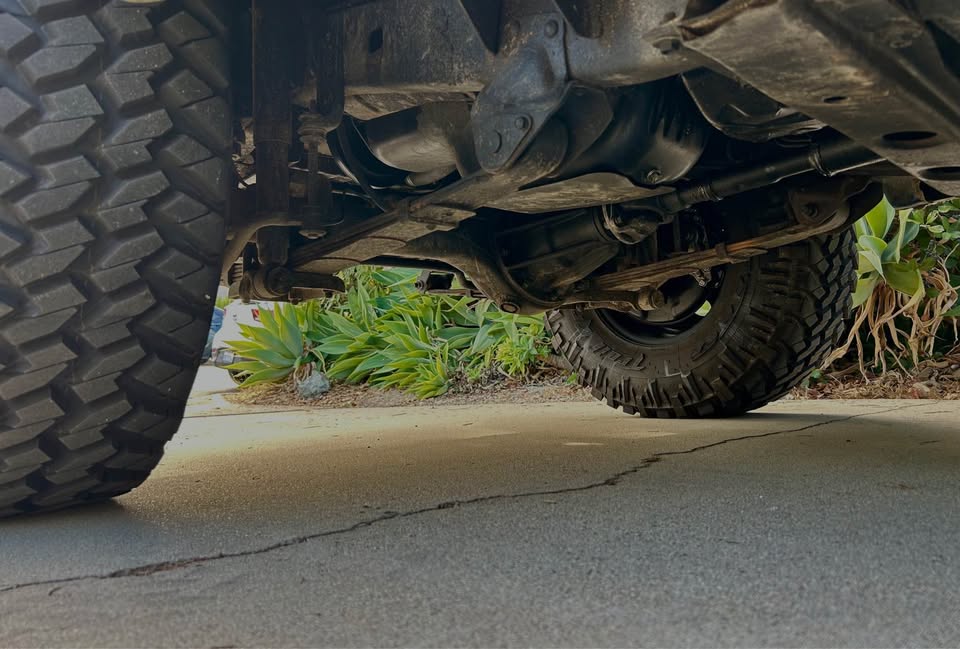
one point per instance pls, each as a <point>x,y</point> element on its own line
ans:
<point>933,379</point>
<point>553,388</point>
<point>939,379</point>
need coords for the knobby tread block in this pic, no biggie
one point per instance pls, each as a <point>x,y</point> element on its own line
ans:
<point>783,315</point>
<point>116,129</point>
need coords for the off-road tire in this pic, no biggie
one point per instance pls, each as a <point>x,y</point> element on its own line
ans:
<point>115,140</point>
<point>776,318</point>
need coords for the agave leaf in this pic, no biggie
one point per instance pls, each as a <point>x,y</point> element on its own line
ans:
<point>911,230</point>
<point>267,375</point>
<point>481,341</point>
<point>289,330</point>
<point>246,366</point>
<point>343,367</point>
<point>875,244</point>
<point>373,362</point>
<point>269,357</point>
<point>265,339</point>
<point>904,277</point>
<point>880,219</point>
<point>343,325</point>
<point>335,345</point>
<point>406,363</point>
<point>870,262</point>
<point>242,346</point>
<point>894,249</point>
<point>268,321</point>
<point>510,327</point>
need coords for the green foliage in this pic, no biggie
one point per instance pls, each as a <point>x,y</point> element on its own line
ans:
<point>884,255</point>
<point>274,351</point>
<point>222,301</point>
<point>906,299</point>
<point>385,333</point>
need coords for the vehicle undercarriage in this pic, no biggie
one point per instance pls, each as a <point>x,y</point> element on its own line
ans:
<point>557,153</point>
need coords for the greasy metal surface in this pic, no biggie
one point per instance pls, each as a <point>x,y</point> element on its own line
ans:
<point>529,85</point>
<point>380,235</point>
<point>868,68</point>
<point>437,49</point>
<point>583,191</point>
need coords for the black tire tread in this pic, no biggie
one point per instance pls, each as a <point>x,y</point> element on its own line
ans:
<point>114,160</point>
<point>799,301</point>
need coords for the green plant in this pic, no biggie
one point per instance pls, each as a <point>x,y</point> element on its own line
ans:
<point>385,333</point>
<point>883,253</point>
<point>523,346</point>
<point>907,284</point>
<point>276,350</point>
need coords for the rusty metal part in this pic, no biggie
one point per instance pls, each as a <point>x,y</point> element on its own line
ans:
<point>812,211</point>
<point>632,226</point>
<point>243,232</point>
<point>275,283</point>
<point>647,298</point>
<point>600,188</point>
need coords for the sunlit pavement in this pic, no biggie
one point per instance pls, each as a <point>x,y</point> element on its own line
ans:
<point>807,523</point>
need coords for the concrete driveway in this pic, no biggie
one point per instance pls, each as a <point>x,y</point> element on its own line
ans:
<point>807,523</point>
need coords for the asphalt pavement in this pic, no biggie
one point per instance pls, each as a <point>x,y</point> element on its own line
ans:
<point>808,523</point>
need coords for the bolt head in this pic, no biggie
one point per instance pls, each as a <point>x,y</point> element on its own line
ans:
<point>657,299</point>
<point>522,123</point>
<point>552,28</point>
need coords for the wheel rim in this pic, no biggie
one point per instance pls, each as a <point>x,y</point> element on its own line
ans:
<point>683,312</point>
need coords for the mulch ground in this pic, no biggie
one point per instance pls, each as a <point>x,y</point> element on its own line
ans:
<point>933,379</point>
<point>938,379</point>
<point>544,389</point>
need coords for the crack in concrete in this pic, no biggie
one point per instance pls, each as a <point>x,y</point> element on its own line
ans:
<point>147,570</point>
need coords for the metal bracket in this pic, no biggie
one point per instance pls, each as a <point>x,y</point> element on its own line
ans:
<point>277,283</point>
<point>485,17</point>
<point>441,282</point>
<point>530,85</point>
<point>440,217</point>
